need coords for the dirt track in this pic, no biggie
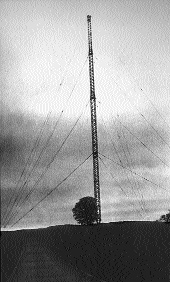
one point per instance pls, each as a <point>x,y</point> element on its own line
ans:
<point>36,263</point>
<point>113,252</point>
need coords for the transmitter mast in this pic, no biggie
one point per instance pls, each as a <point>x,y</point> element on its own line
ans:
<point>93,122</point>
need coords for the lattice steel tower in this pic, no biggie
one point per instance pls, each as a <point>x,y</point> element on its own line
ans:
<point>93,122</point>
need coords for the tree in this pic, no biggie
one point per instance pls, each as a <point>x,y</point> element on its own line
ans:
<point>165,218</point>
<point>85,211</point>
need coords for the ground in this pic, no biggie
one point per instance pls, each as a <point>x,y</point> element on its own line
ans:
<point>128,251</point>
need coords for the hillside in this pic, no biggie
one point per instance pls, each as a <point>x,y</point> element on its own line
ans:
<point>127,251</point>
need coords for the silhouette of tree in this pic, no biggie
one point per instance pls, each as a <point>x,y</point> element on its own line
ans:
<point>165,218</point>
<point>85,211</point>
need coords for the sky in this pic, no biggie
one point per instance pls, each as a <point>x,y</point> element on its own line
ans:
<point>45,78</point>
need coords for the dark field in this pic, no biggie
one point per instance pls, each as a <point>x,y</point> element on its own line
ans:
<point>127,251</point>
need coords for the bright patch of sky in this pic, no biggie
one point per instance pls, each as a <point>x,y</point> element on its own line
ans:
<point>49,42</point>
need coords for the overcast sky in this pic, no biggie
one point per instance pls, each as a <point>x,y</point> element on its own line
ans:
<point>44,70</point>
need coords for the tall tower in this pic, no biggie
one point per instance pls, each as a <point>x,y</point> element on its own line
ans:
<point>93,122</point>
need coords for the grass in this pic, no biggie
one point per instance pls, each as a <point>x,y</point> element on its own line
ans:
<point>127,251</point>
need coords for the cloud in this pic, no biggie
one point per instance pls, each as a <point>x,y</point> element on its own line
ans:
<point>141,145</point>
<point>17,140</point>
<point>132,209</point>
<point>20,133</point>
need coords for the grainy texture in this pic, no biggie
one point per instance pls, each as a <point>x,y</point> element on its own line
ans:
<point>127,251</point>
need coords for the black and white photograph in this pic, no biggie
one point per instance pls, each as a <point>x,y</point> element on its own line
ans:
<point>85,140</point>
